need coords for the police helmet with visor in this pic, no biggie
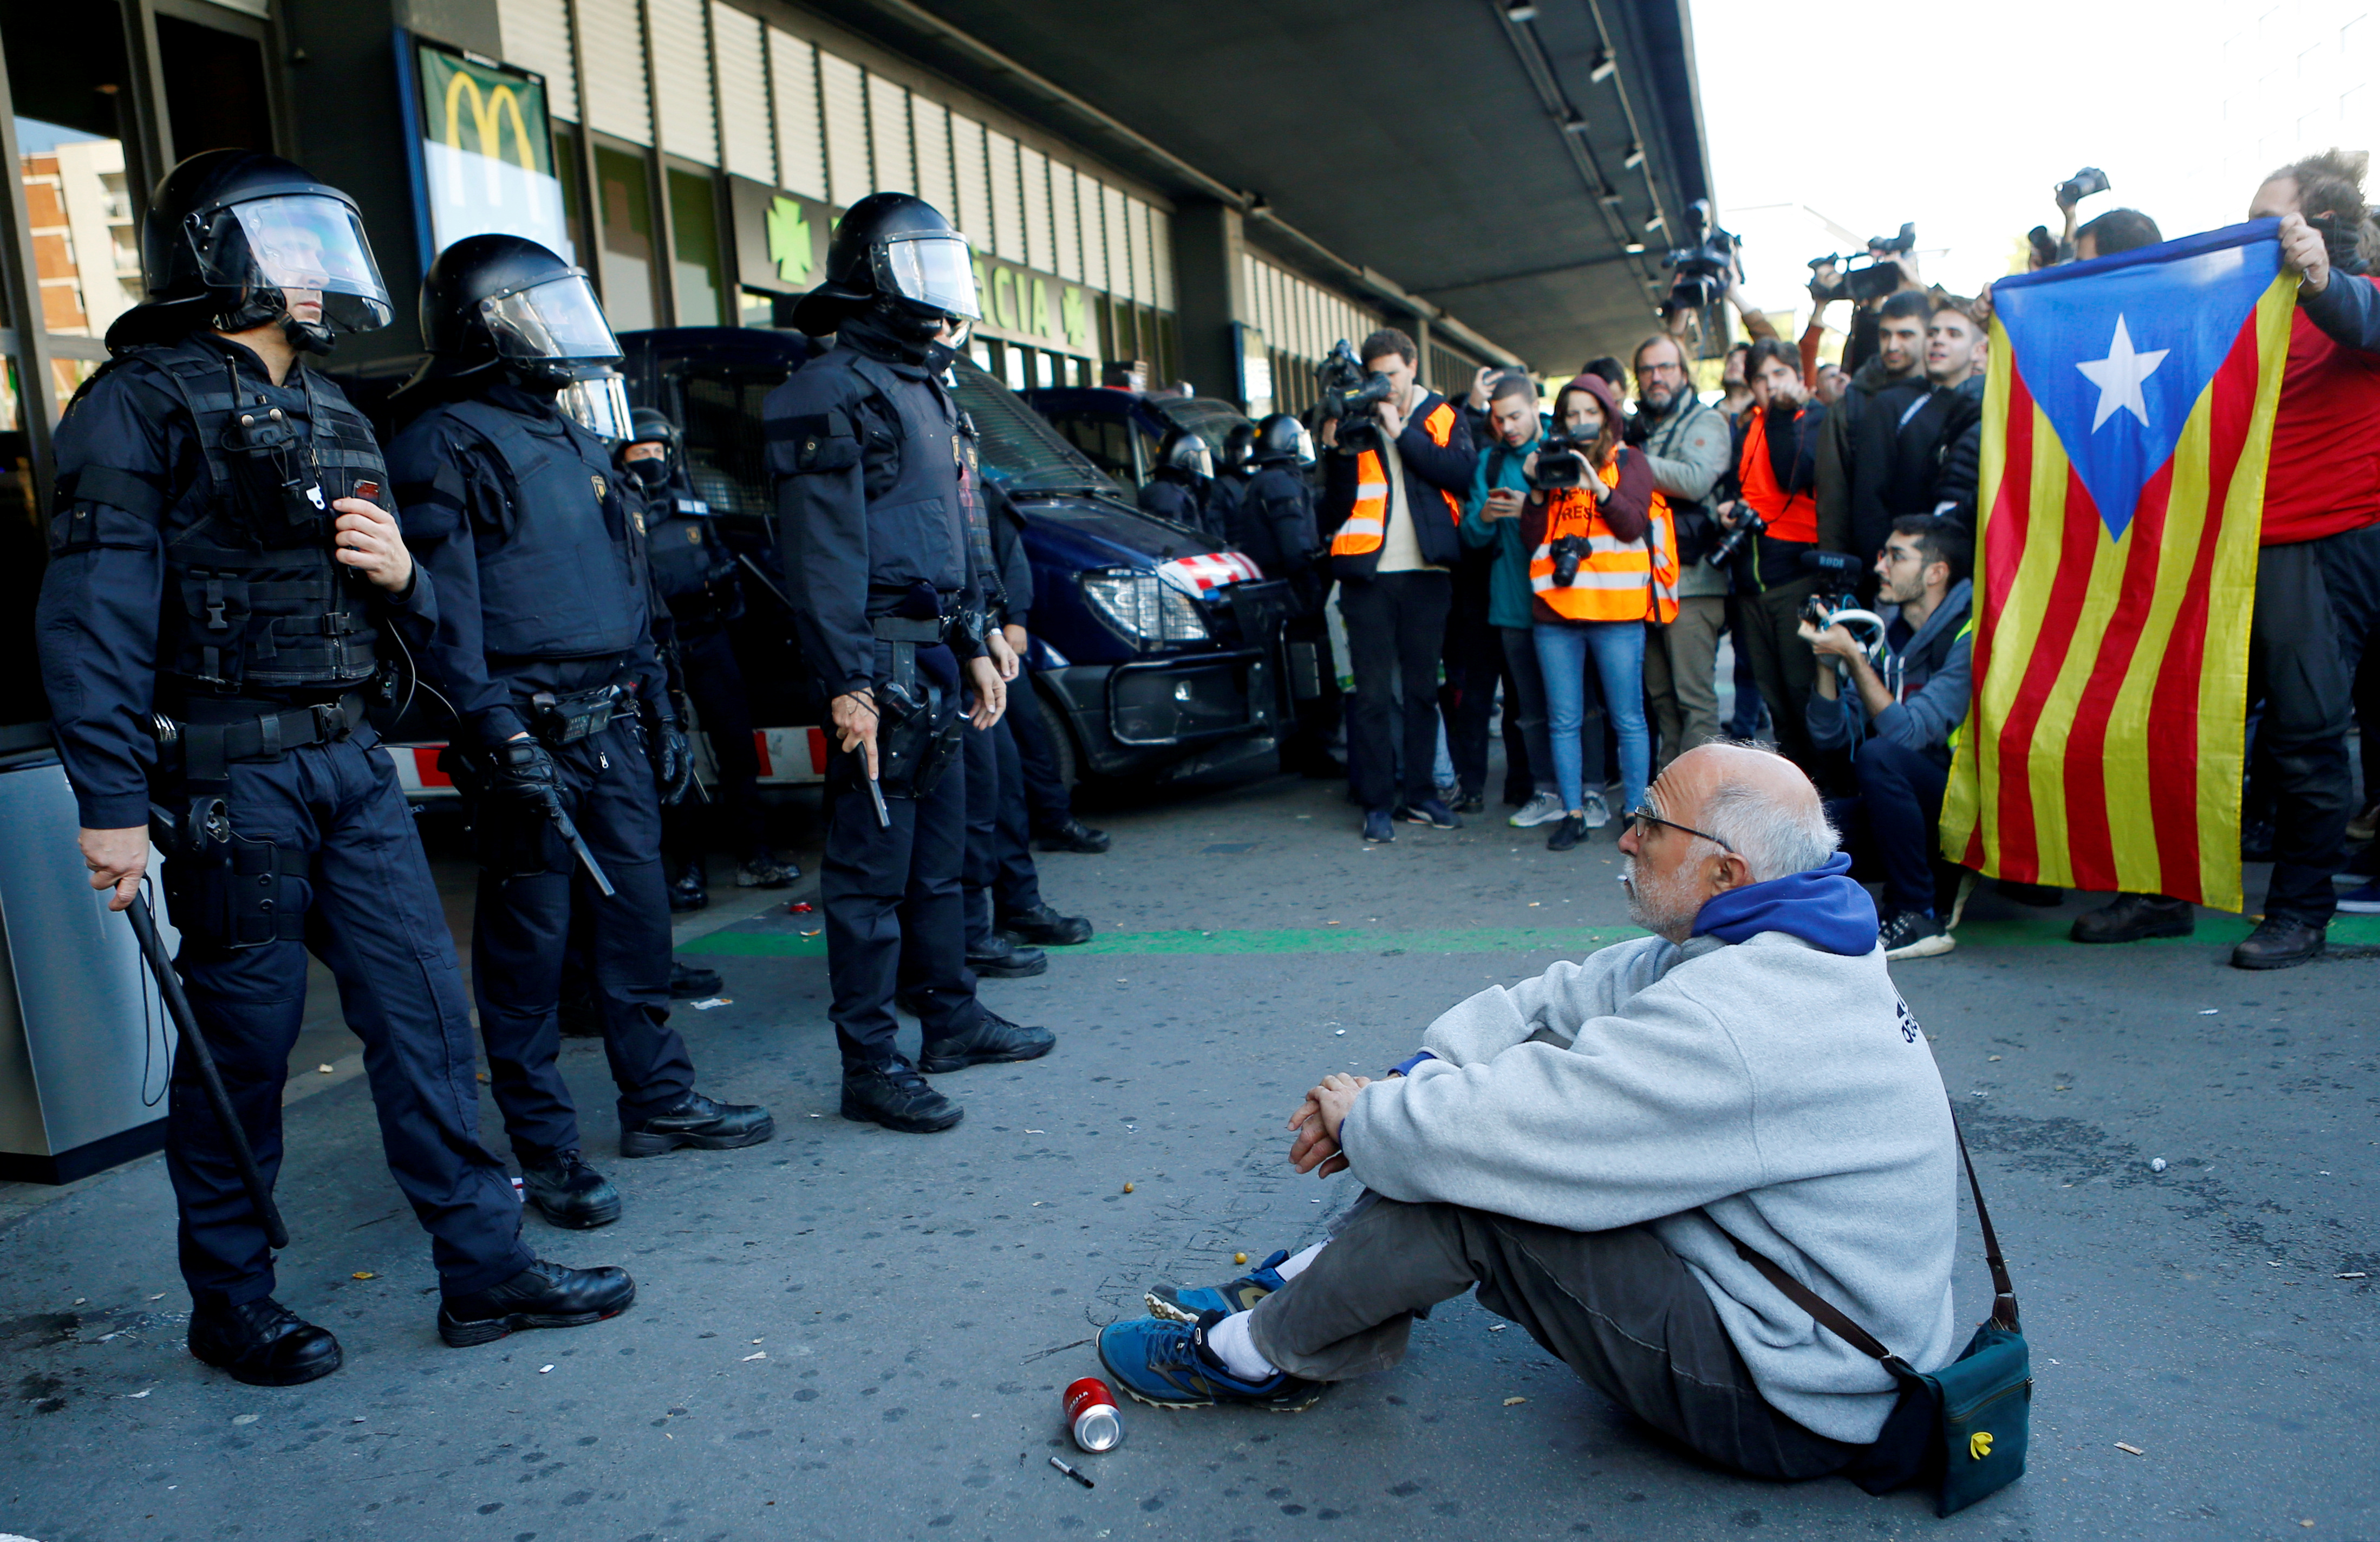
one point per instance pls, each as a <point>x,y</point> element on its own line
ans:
<point>497,301</point>
<point>897,251</point>
<point>1184,455</point>
<point>235,240</point>
<point>1281,437</point>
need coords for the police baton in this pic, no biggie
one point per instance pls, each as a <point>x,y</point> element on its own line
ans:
<point>577,843</point>
<point>169,986</point>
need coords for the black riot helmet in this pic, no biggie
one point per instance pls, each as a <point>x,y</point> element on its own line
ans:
<point>1282,438</point>
<point>896,251</point>
<point>234,239</point>
<point>1236,445</point>
<point>498,302</point>
<point>1184,457</point>
<point>648,426</point>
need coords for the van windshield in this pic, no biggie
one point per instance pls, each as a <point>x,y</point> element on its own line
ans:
<point>1020,450</point>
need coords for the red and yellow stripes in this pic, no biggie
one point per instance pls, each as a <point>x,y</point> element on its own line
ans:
<point>2107,740</point>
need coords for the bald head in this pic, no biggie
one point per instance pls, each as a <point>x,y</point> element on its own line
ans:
<point>1747,816</point>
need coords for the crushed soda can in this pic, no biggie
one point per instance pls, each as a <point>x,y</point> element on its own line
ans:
<point>1091,1417</point>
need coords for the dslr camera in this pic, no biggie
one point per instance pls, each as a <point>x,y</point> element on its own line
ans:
<point>1748,524</point>
<point>1349,392</point>
<point>1561,463</point>
<point>1568,552</point>
<point>1702,265</point>
<point>1874,279</point>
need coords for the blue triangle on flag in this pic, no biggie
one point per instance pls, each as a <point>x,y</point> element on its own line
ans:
<point>2118,351</point>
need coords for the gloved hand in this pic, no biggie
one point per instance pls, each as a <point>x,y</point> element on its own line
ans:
<point>522,768</point>
<point>672,760</point>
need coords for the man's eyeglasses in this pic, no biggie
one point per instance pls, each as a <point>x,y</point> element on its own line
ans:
<point>1644,818</point>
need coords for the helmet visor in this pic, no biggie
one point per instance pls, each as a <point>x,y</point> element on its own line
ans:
<point>1201,459</point>
<point>556,319</point>
<point>297,243</point>
<point>598,402</point>
<point>935,271</point>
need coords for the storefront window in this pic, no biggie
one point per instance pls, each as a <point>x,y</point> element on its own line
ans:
<point>625,256</point>
<point>758,310</point>
<point>694,218</point>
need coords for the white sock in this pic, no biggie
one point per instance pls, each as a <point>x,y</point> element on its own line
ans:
<point>1293,1266</point>
<point>1230,1341</point>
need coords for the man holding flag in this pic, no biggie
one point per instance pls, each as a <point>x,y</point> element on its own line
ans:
<point>2182,489</point>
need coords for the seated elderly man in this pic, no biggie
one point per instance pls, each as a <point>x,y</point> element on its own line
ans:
<point>1589,1147</point>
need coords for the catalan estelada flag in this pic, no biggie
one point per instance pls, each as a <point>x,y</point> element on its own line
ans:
<point>2127,418</point>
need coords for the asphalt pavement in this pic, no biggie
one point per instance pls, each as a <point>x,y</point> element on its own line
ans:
<point>850,1333</point>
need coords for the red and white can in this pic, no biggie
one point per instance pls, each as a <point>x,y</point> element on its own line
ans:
<point>1091,1415</point>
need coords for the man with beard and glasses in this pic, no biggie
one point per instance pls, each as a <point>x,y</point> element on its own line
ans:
<point>1589,1147</point>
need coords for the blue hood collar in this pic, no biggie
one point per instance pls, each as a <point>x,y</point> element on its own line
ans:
<point>1823,908</point>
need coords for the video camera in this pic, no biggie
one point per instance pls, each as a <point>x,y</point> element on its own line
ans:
<point>1561,463</point>
<point>1838,575</point>
<point>1877,278</point>
<point>2082,185</point>
<point>1349,392</point>
<point>1702,265</point>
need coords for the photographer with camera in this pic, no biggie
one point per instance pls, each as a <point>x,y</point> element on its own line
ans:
<point>1909,693</point>
<point>1491,521</point>
<point>1400,459</point>
<point>1688,448</point>
<point>1769,529</point>
<point>1602,562</point>
<point>1890,268</point>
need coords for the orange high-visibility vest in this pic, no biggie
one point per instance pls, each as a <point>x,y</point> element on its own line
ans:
<point>1616,580</point>
<point>1790,518</point>
<point>1367,523</point>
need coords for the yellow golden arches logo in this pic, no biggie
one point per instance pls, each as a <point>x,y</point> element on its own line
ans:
<point>487,117</point>
<point>1979,1444</point>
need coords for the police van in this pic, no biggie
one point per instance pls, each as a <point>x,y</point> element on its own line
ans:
<point>1155,657</point>
<point>1120,431</point>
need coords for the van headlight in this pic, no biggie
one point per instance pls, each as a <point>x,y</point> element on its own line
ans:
<point>1142,606</point>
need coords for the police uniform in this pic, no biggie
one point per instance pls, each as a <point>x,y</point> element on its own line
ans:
<point>187,583</point>
<point>1274,526</point>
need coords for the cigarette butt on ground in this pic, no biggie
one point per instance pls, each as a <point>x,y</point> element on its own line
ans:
<point>2133,1450</point>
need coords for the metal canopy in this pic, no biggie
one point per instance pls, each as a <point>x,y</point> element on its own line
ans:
<point>1422,140</point>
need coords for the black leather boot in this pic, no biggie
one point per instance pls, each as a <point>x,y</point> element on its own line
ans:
<point>994,1039</point>
<point>895,1096</point>
<point>569,1193</point>
<point>1075,835</point>
<point>1044,928</point>
<point>997,957</point>
<point>2281,943</point>
<point>689,889</point>
<point>262,1343</point>
<point>702,1123</point>
<point>2133,917</point>
<point>542,1295</point>
<point>689,981</point>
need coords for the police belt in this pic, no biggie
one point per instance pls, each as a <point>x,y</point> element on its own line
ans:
<point>901,629</point>
<point>556,720</point>
<point>215,732</point>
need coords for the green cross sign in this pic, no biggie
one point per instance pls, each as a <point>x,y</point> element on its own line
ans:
<point>789,240</point>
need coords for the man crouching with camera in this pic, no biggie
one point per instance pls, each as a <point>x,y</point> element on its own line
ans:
<point>1906,700</point>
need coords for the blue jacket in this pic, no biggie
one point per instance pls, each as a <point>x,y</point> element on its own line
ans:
<point>1508,581</point>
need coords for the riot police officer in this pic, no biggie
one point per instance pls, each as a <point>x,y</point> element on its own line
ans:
<point>225,574</point>
<point>1182,486</point>
<point>1274,524</point>
<point>567,740</point>
<point>887,554</point>
<point>694,574</point>
<point>1234,469</point>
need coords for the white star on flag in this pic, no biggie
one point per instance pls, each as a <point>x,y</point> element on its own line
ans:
<point>2118,377</point>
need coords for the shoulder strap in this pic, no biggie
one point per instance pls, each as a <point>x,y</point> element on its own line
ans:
<point>2004,1309</point>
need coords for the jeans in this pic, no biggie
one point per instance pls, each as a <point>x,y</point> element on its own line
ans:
<point>1396,630</point>
<point>1618,648</point>
<point>1528,705</point>
<point>1901,803</point>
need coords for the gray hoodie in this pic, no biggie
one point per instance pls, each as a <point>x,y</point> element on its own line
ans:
<point>1781,1090</point>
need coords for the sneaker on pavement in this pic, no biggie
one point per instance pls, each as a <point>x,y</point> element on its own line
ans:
<point>1597,813</point>
<point>1168,1365</point>
<point>895,1096</point>
<point>2280,942</point>
<point>999,957</point>
<point>1568,833</point>
<point>1434,813</point>
<point>1377,827</point>
<point>569,1191</point>
<point>762,870</point>
<point>2362,902</point>
<point>1912,934</point>
<point>1541,809</point>
<point>688,981</point>
<point>1043,927</point>
<point>262,1343</point>
<point>702,1123</point>
<point>1077,836</point>
<point>2134,918</point>
<point>1189,1302</point>
<point>992,1040</point>
<point>542,1295</point>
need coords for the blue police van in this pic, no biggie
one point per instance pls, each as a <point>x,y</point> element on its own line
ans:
<point>1120,431</point>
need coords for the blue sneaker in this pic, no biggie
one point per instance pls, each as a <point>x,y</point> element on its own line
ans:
<point>1434,813</point>
<point>2362,902</point>
<point>1189,1302</point>
<point>1377,826</point>
<point>1167,1364</point>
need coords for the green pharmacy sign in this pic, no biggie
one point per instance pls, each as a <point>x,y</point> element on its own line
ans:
<point>1018,301</point>
<point>789,240</point>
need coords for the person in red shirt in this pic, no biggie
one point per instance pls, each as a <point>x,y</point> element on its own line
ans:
<point>2318,574</point>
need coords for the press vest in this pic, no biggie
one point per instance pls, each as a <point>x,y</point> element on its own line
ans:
<point>1793,517</point>
<point>255,601</point>
<point>1367,523</point>
<point>1616,580</point>
<point>561,576</point>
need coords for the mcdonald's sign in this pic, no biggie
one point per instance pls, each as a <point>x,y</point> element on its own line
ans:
<point>486,149</point>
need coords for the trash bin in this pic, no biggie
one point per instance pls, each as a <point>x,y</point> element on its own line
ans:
<point>85,1044</point>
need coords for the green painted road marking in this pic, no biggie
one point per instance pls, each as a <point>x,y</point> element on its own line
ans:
<point>2023,933</point>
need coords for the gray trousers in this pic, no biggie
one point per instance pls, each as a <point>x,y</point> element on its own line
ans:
<point>1681,675</point>
<point>1618,1307</point>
